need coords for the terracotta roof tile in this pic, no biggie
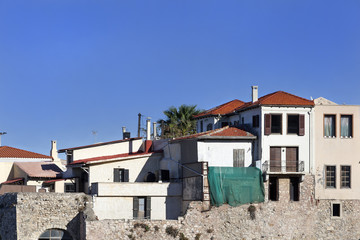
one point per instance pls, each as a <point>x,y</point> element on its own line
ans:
<point>225,108</point>
<point>11,152</point>
<point>40,169</point>
<point>221,132</point>
<point>279,98</point>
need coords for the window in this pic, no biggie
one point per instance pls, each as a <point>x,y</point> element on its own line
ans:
<point>69,187</point>
<point>238,157</point>
<point>336,210</point>
<point>201,126</point>
<point>141,207</point>
<point>209,127</point>
<point>345,176</point>
<point>255,122</point>
<point>346,126</point>
<point>329,126</point>
<point>296,124</point>
<point>121,175</point>
<point>273,123</point>
<point>55,234</point>
<point>330,176</point>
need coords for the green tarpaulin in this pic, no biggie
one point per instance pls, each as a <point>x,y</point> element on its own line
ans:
<point>235,185</point>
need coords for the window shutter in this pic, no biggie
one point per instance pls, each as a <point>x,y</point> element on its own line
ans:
<point>135,207</point>
<point>126,175</point>
<point>148,208</point>
<point>301,125</point>
<point>238,157</point>
<point>267,124</point>
<point>116,175</point>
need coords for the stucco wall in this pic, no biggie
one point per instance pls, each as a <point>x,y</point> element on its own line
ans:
<point>337,152</point>
<point>220,153</point>
<point>5,171</point>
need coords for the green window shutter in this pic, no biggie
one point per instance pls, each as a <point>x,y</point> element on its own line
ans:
<point>135,207</point>
<point>116,175</point>
<point>148,208</point>
<point>126,175</point>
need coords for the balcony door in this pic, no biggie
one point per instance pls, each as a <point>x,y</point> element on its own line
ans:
<point>292,160</point>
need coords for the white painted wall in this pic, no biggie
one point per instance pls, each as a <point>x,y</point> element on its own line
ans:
<point>5,171</point>
<point>288,140</point>
<point>172,156</point>
<point>107,150</point>
<point>220,153</point>
<point>138,167</point>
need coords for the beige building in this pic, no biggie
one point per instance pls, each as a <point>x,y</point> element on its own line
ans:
<point>337,150</point>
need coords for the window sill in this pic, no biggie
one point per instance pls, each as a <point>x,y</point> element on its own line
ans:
<point>328,137</point>
<point>346,137</point>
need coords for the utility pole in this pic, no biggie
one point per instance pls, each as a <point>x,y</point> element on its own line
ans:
<point>139,124</point>
<point>2,133</point>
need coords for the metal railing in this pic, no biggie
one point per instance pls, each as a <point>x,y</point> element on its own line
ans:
<point>282,166</point>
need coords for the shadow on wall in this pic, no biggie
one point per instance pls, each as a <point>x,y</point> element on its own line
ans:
<point>151,165</point>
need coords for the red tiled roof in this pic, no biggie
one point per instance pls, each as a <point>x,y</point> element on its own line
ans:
<point>279,98</point>
<point>12,180</point>
<point>98,144</point>
<point>123,155</point>
<point>40,169</point>
<point>11,152</point>
<point>225,108</point>
<point>221,132</point>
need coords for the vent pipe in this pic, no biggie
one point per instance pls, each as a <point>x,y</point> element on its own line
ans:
<point>148,126</point>
<point>154,130</point>
<point>254,93</point>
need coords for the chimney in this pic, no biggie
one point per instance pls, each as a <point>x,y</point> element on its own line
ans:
<point>154,130</point>
<point>254,93</point>
<point>123,129</point>
<point>148,126</point>
<point>53,151</point>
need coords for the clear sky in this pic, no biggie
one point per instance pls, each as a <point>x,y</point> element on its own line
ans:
<point>68,67</point>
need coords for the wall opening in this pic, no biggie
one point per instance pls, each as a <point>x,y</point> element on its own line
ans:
<point>294,189</point>
<point>335,210</point>
<point>55,234</point>
<point>273,189</point>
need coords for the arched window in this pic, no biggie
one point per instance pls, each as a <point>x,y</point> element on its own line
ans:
<point>209,127</point>
<point>55,234</point>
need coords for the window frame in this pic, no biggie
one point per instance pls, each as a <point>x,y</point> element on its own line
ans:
<point>268,124</point>
<point>351,126</point>
<point>326,177</point>
<point>147,207</point>
<point>123,177</point>
<point>340,210</point>
<point>341,177</point>
<point>326,115</point>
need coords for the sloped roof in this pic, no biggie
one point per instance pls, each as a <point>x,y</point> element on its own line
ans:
<point>323,101</point>
<point>221,132</point>
<point>13,180</point>
<point>225,108</point>
<point>114,157</point>
<point>40,169</point>
<point>98,144</point>
<point>11,152</point>
<point>278,98</point>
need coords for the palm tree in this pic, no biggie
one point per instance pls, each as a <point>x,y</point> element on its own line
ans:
<point>179,121</point>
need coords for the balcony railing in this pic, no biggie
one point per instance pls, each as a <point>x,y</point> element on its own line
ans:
<point>282,166</point>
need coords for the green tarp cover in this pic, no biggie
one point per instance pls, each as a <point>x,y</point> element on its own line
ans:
<point>235,185</point>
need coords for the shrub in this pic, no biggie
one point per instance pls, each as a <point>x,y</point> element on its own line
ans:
<point>172,231</point>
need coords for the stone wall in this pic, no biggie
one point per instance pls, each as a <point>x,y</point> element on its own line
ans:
<point>28,215</point>
<point>283,219</point>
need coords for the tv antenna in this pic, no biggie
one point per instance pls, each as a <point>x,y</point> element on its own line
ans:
<point>2,133</point>
<point>94,133</point>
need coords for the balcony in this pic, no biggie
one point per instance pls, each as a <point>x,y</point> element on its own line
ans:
<point>279,166</point>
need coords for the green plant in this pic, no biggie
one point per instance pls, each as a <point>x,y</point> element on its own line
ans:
<point>156,228</point>
<point>143,226</point>
<point>172,231</point>
<point>182,237</point>
<point>197,236</point>
<point>251,210</point>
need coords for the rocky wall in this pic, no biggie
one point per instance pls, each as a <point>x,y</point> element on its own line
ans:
<point>283,219</point>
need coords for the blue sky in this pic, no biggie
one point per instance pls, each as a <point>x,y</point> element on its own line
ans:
<point>68,67</point>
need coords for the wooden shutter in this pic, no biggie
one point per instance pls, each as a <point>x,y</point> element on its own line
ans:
<point>275,159</point>
<point>267,124</point>
<point>135,207</point>
<point>292,159</point>
<point>126,175</point>
<point>301,125</point>
<point>116,175</point>
<point>148,208</point>
<point>239,157</point>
